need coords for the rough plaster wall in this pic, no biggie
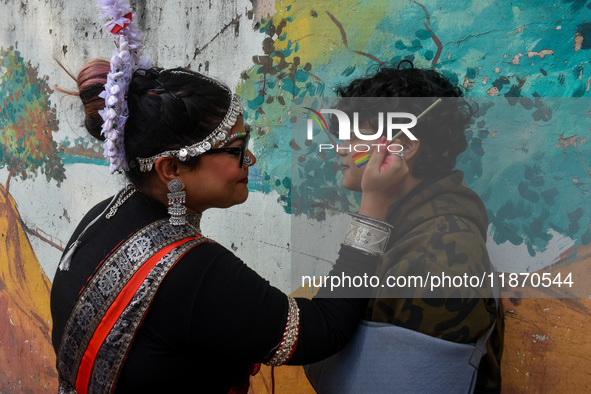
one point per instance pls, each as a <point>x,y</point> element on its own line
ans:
<point>486,46</point>
<point>216,38</point>
<point>494,51</point>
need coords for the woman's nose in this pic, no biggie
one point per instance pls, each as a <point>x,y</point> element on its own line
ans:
<point>252,157</point>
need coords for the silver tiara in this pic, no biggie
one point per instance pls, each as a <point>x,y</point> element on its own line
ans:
<point>219,134</point>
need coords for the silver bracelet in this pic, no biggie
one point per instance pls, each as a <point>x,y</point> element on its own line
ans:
<point>290,336</point>
<point>368,235</point>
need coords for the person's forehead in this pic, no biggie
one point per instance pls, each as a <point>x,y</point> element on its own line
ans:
<point>236,136</point>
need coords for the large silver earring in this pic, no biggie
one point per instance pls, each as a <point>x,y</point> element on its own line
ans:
<point>176,199</point>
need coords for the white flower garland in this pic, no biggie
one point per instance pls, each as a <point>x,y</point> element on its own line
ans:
<point>124,61</point>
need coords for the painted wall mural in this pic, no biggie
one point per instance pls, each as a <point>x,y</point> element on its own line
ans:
<point>310,49</point>
<point>27,124</point>
<point>535,184</point>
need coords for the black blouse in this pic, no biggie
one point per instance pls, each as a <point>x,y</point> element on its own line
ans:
<point>212,315</point>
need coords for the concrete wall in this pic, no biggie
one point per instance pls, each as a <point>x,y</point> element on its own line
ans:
<point>273,53</point>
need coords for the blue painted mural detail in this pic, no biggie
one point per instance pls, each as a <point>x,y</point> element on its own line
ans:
<point>529,161</point>
<point>517,51</point>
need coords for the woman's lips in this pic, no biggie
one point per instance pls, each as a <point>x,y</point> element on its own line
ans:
<point>245,180</point>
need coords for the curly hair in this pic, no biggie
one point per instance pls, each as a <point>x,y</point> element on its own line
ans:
<point>441,132</point>
<point>168,109</point>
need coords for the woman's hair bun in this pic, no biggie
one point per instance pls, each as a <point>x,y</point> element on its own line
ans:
<point>91,82</point>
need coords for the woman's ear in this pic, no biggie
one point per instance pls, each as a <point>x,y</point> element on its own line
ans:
<point>167,169</point>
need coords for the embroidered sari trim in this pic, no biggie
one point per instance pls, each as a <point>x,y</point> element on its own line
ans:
<point>110,309</point>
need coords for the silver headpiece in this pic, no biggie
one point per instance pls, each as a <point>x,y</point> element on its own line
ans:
<point>219,134</point>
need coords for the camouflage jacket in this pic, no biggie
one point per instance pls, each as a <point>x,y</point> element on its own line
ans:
<point>440,229</point>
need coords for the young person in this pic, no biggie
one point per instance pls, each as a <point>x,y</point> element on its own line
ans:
<point>419,341</point>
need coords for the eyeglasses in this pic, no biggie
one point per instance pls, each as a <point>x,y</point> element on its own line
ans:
<point>239,151</point>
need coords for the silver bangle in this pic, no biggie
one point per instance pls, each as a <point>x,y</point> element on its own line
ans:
<point>372,221</point>
<point>368,235</point>
<point>290,336</point>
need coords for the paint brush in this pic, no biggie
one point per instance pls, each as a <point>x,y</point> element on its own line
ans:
<point>420,116</point>
<point>361,158</point>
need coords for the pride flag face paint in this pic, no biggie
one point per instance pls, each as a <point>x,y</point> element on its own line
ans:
<point>361,158</point>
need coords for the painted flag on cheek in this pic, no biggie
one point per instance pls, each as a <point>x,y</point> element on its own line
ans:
<point>361,158</point>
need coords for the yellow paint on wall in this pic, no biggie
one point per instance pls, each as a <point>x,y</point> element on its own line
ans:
<point>318,34</point>
<point>26,355</point>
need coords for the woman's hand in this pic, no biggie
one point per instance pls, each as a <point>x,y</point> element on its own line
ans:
<point>381,180</point>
